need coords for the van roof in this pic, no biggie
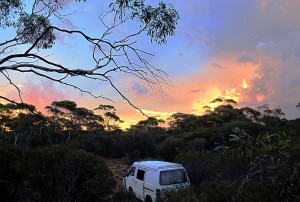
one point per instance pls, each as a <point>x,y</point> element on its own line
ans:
<point>156,164</point>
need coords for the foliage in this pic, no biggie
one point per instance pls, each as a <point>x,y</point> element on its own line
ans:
<point>219,191</point>
<point>121,195</point>
<point>248,164</point>
<point>158,22</point>
<point>58,173</point>
<point>183,195</point>
<point>168,149</point>
<point>184,122</point>
<point>198,144</point>
<point>11,172</point>
<point>205,133</point>
<point>197,164</point>
<point>266,159</point>
<point>110,119</point>
<point>251,128</point>
<point>139,145</point>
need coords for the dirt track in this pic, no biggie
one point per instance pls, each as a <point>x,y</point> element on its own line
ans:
<point>118,168</point>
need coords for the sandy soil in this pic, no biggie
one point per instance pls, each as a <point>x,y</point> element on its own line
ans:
<point>118,168</point>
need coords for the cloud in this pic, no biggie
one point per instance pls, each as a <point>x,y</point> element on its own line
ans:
<point>180,56</point>
<point>217,66</point>
<point>38,93</point>
<point>261,37</point>
<point>244,58</point>
<point>197,90</point>
<point>138,89</point>
<point>158,114</point>
<point>276,79</point>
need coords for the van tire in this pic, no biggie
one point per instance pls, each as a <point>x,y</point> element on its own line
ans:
<point>148,199</point>
<point>130,190</point>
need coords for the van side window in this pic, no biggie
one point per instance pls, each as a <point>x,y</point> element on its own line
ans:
<point>140,175</point>
<point>168,177</point>
<point>131,171</point>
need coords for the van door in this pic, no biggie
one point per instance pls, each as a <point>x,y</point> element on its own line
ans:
<point>139,185</point>
<point>130,178</point>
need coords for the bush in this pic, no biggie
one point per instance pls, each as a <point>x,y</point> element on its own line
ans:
<point>143,143</point>
<point>124,197</point>
<point>169,148</point>
<point>182,195</point>
<point>250,127</point>
<point>61,174</point>
<point>207,166</point>
<point>132,156</point>
<point>205,133</point>
<point>198,144</point>
<point>197,164</point>
<point>11,172</point>
<point>216,191</point>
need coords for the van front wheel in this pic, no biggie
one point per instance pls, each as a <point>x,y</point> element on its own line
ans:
<point>148,199</point>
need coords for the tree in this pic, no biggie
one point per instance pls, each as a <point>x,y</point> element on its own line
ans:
<point>111,119</point>
<point>21,122</point>
<point>66,116</point>
<point>273,119</point>
<point>25,127</point>
<point>149,122</point>
<point>216,100</point>
<point>34,29</point>
<point>185,122</point>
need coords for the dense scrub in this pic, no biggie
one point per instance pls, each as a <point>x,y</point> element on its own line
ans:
<point>230,154</point>
<point>54,173</point>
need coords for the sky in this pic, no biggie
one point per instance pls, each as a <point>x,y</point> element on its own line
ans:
<point>247,50</point>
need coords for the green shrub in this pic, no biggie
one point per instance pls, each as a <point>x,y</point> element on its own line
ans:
<point>197,164</point>
<point>12,172</point>
<point>249,127</point>
<point>220,190</point>
<point>132,156</point>
<point>198,144</point>
<point>124,197</point>
<point>168,149</point>
<point>207,165</point>
<point>61,174</point>
<point>144,143</point>
<point>205,133</point>
<point>216,191</point>
<point>182,195</point>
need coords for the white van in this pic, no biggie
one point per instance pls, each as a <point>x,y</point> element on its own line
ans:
<point>149,179</point>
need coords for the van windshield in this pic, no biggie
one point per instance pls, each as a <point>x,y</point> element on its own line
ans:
<point>168,177</point>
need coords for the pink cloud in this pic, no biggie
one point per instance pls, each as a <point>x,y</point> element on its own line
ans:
<point>39,94</point>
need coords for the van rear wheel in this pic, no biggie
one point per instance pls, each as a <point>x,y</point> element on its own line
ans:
<point>130,190</point>
<point>148,199</point>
